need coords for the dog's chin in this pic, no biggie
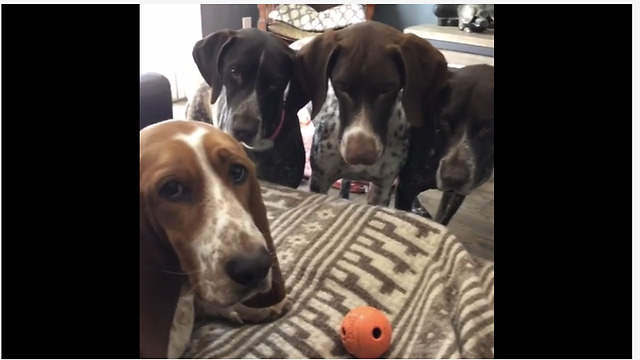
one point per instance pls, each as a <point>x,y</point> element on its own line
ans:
<point>259,145</point>
<point>460,190</point>
<point>228,300</point>
<point>362,163</point>
<point>235,296</point>
<point>443,186</point>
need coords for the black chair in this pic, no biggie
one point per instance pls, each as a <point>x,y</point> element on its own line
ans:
<point>155,99</point>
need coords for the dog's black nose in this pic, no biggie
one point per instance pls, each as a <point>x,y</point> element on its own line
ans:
<point>244,129</point>
<point>249,269</point>
<point>454,175</point>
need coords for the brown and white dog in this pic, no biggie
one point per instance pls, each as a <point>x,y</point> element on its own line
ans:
<point>205,244</point>
<point>460,157</point>
<point>368,85</point>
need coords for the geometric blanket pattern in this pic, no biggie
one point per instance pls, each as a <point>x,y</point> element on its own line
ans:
<point>336,255</point>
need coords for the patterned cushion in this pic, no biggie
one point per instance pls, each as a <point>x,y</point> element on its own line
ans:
<point>304,17</point>
<point>335,255</point>
<point>289,32</point>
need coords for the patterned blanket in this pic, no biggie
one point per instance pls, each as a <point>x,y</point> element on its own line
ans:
<point>336,255</point>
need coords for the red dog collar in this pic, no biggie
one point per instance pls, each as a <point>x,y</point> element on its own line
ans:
<point>277,132</point>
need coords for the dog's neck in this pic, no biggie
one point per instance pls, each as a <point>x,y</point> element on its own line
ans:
<point>278,129</point>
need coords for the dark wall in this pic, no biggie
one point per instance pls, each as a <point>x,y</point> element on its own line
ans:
<point>216,17</point>
<point>402,16</point>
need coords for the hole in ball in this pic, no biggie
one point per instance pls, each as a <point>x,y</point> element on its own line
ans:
<point>344,332</point>
<point>376,333</point>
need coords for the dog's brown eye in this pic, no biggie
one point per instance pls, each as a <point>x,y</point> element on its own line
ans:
<point>234,72</point>
<point>238,174</point>
<point>172,190</point>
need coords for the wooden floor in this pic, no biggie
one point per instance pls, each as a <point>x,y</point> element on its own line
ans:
<point>472,224</point>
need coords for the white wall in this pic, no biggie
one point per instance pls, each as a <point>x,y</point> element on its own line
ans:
<point>167,35</point>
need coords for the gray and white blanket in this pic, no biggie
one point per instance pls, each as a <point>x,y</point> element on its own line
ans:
<point>336,255</point>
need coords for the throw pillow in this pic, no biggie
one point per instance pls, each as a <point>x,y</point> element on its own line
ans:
<point>306,18</point>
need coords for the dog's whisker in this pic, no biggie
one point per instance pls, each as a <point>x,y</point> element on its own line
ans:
<point>181,273</point>
<point>262,145</point>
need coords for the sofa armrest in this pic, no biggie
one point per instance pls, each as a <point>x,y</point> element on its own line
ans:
<point>155,99</point>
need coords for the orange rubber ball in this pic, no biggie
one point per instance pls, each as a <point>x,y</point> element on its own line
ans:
<point>366,332</point>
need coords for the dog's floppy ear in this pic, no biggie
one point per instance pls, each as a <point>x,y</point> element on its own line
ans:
<point>159,288</point>
<point>442,95</point>
<point>259,215</point>
<point>208,53</point>
<point>425,74</point>
<point>296,97</point>
<point>313,65</point>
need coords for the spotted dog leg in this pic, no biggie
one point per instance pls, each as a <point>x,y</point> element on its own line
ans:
<point>380,192</point>
<point>345,189</point>
<point>322,176</point>
<point>418,209</point>
<point>182,326</point>
<point>320,184</point>
<point>449,205</point>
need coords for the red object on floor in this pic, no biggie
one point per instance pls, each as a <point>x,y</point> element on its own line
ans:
<point>358,187</point>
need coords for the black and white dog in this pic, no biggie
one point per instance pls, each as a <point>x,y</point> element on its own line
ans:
<point>460,158</point>
<point>248,73</point>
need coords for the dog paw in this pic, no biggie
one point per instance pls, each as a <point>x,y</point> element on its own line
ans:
<point>267,314</point>
<point>421,211</point>
<point>275,312</point>
<point>230,314</point>
<point>235,318</point>
<point>281,308</point>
